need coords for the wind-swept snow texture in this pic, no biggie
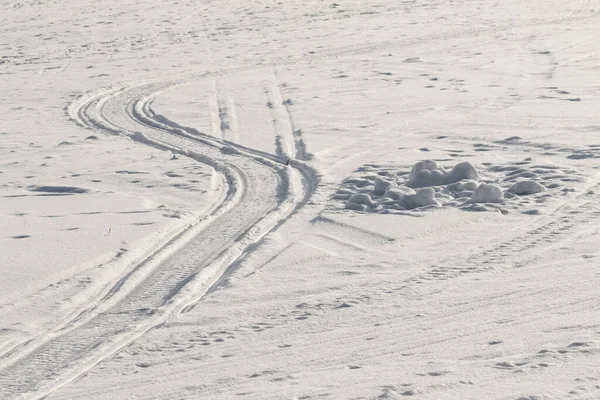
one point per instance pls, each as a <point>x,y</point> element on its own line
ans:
<point>271,200</point>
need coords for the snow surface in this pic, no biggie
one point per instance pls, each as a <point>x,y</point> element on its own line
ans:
<point>270,200</point>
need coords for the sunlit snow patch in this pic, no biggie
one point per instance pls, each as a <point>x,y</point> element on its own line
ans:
<point>429,185</point>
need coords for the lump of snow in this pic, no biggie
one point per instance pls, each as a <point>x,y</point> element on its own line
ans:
<point>463,170</point>
<point>360,198</point>
<point>424,197</point>
<point>487,193</point>
<point>463,185</point>
<point>399,192</point>
<point>427,165</point>
<point>381,185</point>
<point>526,187</point>
<point>429,173</point>
<point>426,178</point>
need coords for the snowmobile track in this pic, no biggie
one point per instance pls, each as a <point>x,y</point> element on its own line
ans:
<point>262,193</point>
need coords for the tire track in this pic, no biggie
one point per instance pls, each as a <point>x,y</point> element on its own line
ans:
<point>87,115</point>
<point>225,119</point>
<point>301,152</point>
<point>262,195</point>
<point>281,125</point>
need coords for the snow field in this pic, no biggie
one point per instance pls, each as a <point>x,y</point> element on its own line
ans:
<point>322,301</point>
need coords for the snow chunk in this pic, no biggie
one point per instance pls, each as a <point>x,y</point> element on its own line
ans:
<point>526,187</point>
<point>424,197</point>
<point>463,170</point>
<point>427,165</point>
<point>399,192</point>
<point>360,198</point>
<point>463,185</point>
<point>381,185</point>
<point>487,193</point>
<point>429,173</point>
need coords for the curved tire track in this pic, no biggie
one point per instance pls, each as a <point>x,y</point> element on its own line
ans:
<point>262,194</point>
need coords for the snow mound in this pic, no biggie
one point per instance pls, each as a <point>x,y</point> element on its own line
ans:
<point>487,193</point>
<point>430,185</point>
<point>399,192</point>
<point>381,185</point>
<point>424,197</point>
<point>429,173</point>
<point>360,198</point>
<point>526,187</point>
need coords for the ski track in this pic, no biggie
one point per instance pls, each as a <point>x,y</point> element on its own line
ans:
<point>261,195</point>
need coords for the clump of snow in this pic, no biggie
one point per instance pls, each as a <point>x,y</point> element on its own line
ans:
<point>464,170</point>
<point>381,185</point>
<point>526,187</point>
<point>399,192</point>
<point>361,198</point>
<point>422,166</point>
<point>429,185</point>
<point>424,197</point>
<point>487,193</point>
<point>429,173</point>
<point>359,202</point>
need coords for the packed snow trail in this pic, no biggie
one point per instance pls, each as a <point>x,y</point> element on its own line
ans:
<point>261,195</point>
